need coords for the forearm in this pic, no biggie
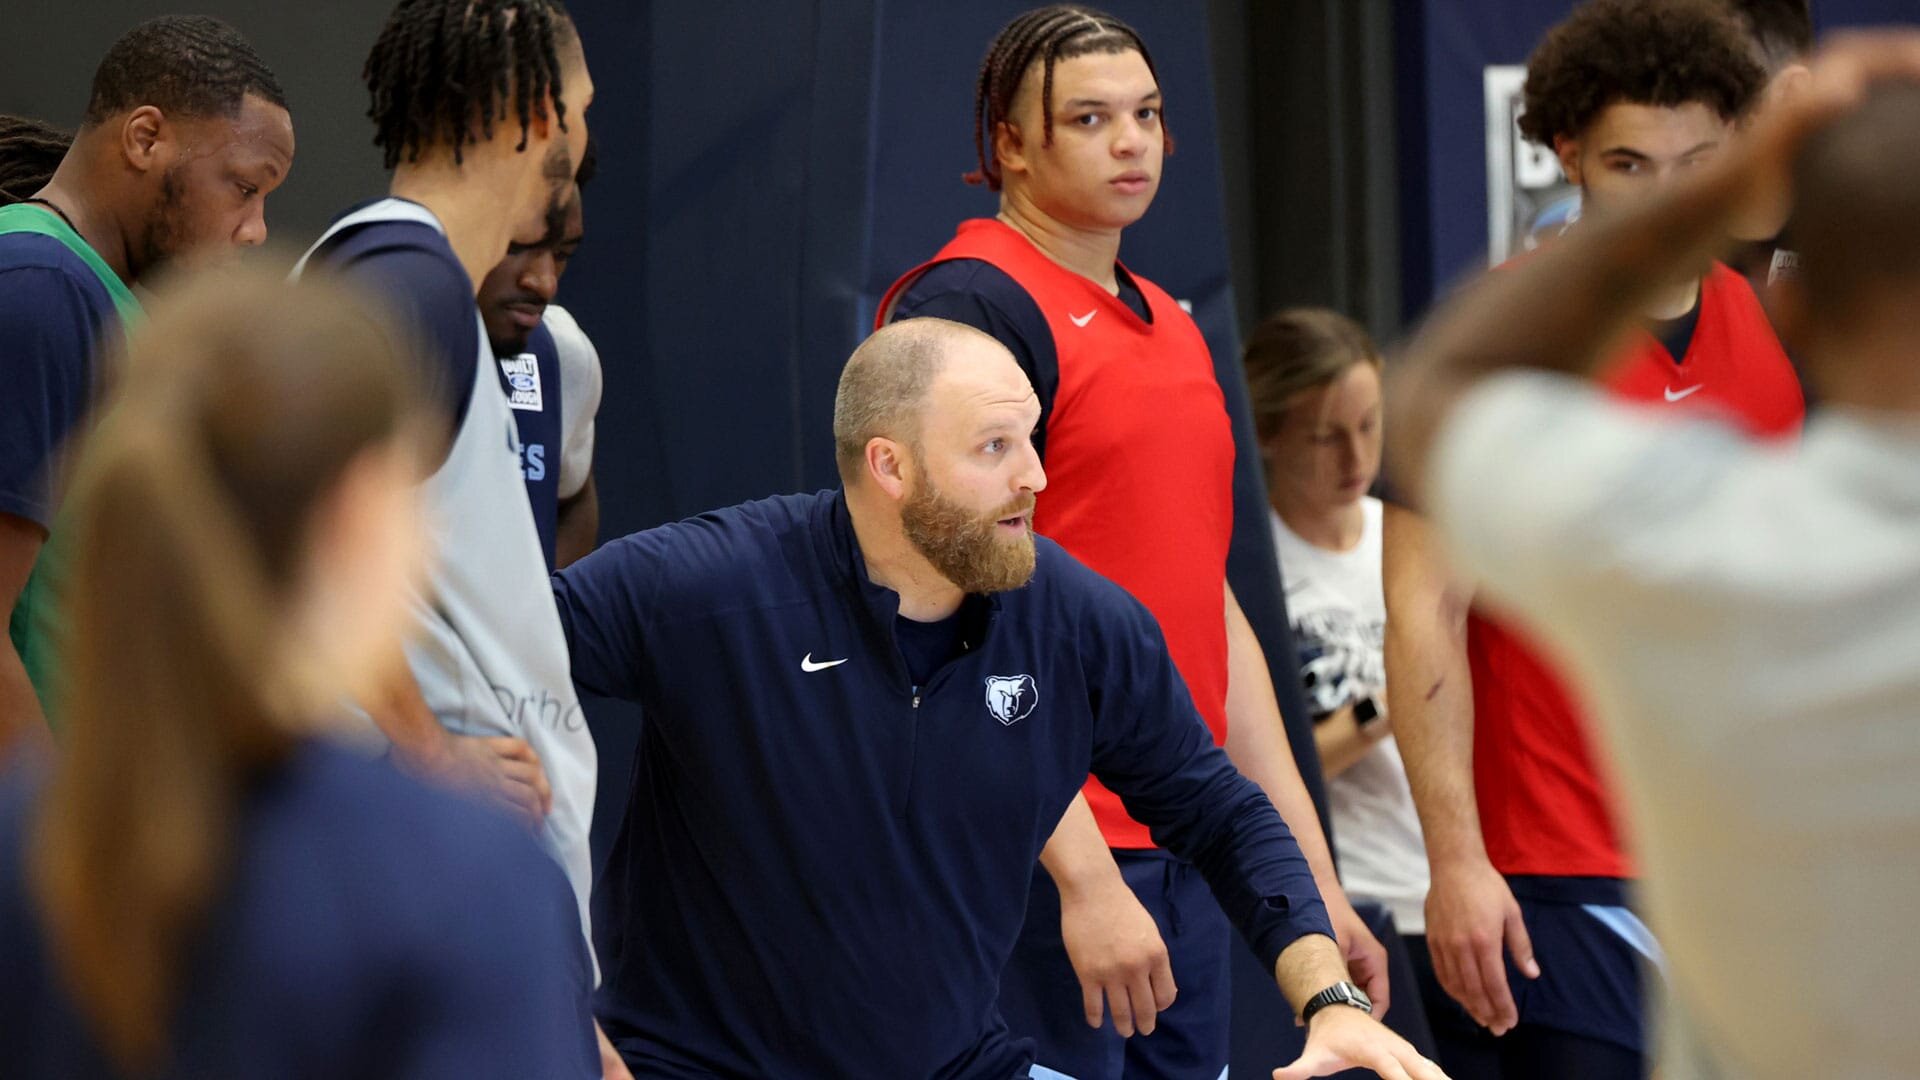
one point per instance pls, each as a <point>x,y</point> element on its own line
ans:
<point>577,528</point>
<point>402,715</point>
<point>1255,867</point>
<point>1426,658</point>
<point>1257,744</point>
<point>1077,856</point>
<point>1306,967</point>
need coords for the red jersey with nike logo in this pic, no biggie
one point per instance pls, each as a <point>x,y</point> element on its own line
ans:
<point>1139,460</point>
<point>1546,803</point>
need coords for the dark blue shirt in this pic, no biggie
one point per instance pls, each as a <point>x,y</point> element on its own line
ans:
<point>531,379</point>
<point>54,316</point>
<point>981,295</point>
<point>823,869</point>
<point>372,928</point>
<point>412,267</point>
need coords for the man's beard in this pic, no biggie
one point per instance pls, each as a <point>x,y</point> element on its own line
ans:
<point>166,233</point>
<point>963,545</point>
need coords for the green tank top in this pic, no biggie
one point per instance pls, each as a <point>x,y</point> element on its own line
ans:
<point>36,622</point>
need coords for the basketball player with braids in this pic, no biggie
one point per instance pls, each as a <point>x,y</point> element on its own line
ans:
<point>1069,130</point>
<point>186,132</point>
<point>479,108</point>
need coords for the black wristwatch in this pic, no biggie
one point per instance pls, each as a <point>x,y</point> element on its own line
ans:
<point>1340,993</point>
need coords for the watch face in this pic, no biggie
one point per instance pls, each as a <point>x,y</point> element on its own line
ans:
<point>1347,993</point>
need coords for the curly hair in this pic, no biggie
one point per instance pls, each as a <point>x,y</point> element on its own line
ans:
<point>442,67</point>
<point>1663,53</point>
<point>1045,35</point>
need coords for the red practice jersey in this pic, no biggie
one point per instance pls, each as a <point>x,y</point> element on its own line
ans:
<point>1546,802</point>
<point>1139,460</point>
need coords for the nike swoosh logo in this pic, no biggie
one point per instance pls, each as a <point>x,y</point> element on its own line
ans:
<point>807,664</point>
<point>1672,395</point>
<point>1082,320</point>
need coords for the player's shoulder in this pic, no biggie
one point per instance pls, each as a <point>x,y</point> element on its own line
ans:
<point>38,272</point>
<point>570,342</point>
<point>1064,588</point>
<point>400,237</point>
<point>966,279</point>
<point>764,550</point>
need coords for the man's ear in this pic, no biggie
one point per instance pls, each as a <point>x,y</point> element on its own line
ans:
<point>1787,83</point>
<point>1009,148</point>
<point>887,466</point>
<point>145,135</point>
<point>1567,149</point>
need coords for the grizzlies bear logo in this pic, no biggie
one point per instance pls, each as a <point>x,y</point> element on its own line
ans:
<point>1011,698</point>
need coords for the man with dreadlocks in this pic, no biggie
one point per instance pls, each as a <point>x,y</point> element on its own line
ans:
<point>185,134</point>
<point>1069,131</point>
<point>480,110</point>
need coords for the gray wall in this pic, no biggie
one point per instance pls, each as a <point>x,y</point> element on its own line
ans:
<point>48,53</point>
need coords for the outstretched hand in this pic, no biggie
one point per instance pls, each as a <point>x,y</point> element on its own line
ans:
<point>1341,1038</point>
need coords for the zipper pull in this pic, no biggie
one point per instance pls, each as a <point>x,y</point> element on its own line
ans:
<point>916,697</point>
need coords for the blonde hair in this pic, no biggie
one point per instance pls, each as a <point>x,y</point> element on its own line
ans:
<point>243,402</point>
<point>1299,349</point>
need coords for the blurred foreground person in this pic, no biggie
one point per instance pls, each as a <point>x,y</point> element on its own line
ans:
<point>199,885</point>
<point>1742,614</point>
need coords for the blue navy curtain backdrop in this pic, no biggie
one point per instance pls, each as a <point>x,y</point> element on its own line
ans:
<point>768,170</point>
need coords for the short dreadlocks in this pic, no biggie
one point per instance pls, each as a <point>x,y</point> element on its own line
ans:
<point>29,153</point>
<point>441,67</point>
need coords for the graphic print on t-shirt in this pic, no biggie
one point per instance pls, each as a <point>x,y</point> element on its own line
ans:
<point>1340,653</point>
<point>522,375</point>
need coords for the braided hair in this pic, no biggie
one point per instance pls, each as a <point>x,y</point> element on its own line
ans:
<point>189,65</point>
<point>442,66</point>
<point>29,153</point>
<point>1045,36</point>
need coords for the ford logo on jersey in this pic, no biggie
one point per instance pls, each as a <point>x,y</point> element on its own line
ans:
<point>1011,698</point>
<point>523,382</point>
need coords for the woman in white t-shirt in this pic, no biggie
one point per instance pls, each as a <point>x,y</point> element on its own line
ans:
<point>1315,383</point>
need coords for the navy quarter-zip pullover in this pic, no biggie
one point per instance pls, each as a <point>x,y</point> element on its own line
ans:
<point>824,865</point>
